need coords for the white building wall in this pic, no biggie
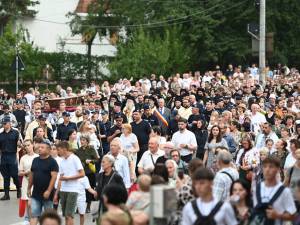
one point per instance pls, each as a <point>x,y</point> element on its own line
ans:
<point>48,35</point>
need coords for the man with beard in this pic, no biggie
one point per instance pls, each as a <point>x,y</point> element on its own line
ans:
<point>185,141</point>
<point>116,130</point>
<point>140,102</point>
<point>177,104</point>
<point>20,114</point>
<point>77,118</point>
<point>117,111</point>
<point>209,108</point>
<point>186,110</point>
<point>173,125</point>
<point>149,117</point>
<point>105,126</point>
<point>142,131</point>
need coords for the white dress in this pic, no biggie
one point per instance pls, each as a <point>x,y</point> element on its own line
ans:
<point>25,165</point>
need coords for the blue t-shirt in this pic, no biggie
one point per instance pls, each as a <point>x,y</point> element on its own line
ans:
<point>42,169</point>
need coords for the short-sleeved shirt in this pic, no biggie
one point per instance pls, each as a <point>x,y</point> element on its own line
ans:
<point>148,159</point>
<point>294,177</point>
<point>187,137</point>
<point>41,169</point>
<point>129,141</point>
<point>70,167</point>
<point>284,203</point>
<point>84,184</point>
<point>225,215</point>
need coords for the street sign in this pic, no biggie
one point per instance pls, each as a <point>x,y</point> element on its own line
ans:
<point>20,65</point>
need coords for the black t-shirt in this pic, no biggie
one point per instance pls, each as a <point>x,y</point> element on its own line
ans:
<point>42,169</point>
<point>142,131</point>
<point>113,129</point>
<point>20,116</point>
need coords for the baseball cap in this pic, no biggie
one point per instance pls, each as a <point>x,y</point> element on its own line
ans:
<point>118,103</point>
<point>118,116</point>
<point>41,117</point>
<point>6,119</point>
<point>65,113</point>
<point>19,102</point>
<point>146,107</point>
<point>86,112</point>
<point>104,112</point>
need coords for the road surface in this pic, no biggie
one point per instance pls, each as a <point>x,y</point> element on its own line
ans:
<point>9,212</point>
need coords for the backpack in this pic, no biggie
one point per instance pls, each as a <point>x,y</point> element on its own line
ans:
<point>258,216</point>
<point>206,220</point>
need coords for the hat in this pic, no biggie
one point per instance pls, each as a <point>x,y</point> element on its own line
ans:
<point>129,97</point>
<point>272,96</point>
<point>118,116</point>
<point>104,112</point>
<point>65,113</point>
<point>113,96</point>
<point>19,102</point>
<point>146,107</point>
<point>217,100</point>
<point>178,98</point>
<point>103,99</point>
<point>86,112</point>
<point>41,117</point>
<point>46,142</point>
<point>118,104</point>
<point>137,110</point>
<point>6,119</point>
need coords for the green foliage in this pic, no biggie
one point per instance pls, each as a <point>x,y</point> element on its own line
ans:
<point>145,53</point>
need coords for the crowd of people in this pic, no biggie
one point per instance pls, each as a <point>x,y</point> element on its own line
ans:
<point>228,146</point>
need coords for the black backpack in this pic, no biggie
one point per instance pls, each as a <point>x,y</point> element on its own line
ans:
<point>258,216</point>
<point>206,220</point>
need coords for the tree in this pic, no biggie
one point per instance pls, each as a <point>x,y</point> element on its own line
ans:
<point>11,9</point>
<point>145,53</point>
<point>30,55</point>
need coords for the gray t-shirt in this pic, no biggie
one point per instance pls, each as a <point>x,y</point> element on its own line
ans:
<point>293,179</point>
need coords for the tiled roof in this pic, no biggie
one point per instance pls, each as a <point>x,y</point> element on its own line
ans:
<point>82,6</point>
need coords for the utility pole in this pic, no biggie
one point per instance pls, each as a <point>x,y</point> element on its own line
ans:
<point>17,70</point>
<point>262,42</point>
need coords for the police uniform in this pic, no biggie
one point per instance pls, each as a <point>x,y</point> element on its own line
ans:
<point>9,164</point>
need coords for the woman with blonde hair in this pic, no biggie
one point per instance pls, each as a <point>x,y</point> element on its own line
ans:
<point>86,128</point>
<point>130,147</point>
<point>129,108</point>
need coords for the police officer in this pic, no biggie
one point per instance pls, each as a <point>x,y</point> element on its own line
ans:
<point>9,138</point>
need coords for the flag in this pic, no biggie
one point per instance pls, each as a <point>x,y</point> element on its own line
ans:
<point>160,117</point>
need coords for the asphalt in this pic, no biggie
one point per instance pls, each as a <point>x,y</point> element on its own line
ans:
<point>9,211</point>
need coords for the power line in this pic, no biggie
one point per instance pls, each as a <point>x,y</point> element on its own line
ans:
<point>151,24</point>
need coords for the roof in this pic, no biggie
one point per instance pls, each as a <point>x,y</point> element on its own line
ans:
<point>82,6</point>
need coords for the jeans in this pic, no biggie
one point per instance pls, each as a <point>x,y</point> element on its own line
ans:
<point>38,205</point>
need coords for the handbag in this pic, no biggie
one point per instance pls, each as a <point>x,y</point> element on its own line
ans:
<point>22,207</point>
<point>92,167</point>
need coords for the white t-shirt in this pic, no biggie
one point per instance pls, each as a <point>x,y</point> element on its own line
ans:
<point>58,161</point>
<point>128,142</point>
<point>84,184</point>
<point>284,203</point>
<point>187,138</point>
<point>289,161</point>
<point>256,120</point>
<point>30,98</point>
<point>70,167</point>
<point>225,215</point>
<point>146,161</point>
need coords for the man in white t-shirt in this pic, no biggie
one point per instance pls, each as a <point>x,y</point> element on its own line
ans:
<point>30,97</point>
<point>206,205</point>
<point>148,160</point>
<point>185,141</point>
<point>71,170</point>
<point>283,208</point>
<point>257,118</point>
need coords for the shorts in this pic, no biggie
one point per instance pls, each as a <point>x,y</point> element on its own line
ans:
<point>37,206</point>
<point>68,201</point>
<point>81,206</point>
